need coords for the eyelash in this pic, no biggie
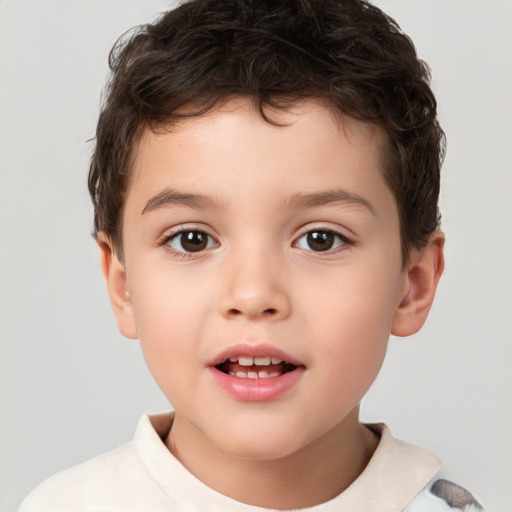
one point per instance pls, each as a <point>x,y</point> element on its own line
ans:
<point>184,255</point>
<point>342,239</point>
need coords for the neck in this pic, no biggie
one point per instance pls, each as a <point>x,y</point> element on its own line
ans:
<point>314,474</point>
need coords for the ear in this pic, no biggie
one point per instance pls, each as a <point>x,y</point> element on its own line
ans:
<point>115,277</point>
<point>421,277</point>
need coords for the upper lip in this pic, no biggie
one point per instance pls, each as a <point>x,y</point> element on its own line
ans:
<point>253,350</point>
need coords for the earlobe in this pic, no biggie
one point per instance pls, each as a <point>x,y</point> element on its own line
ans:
<point>424,270</point>
<point>115,278</point>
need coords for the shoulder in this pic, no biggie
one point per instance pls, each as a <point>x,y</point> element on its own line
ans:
<point>125,479</point>
<point>414,479</point>
<point>71,489</point>
<point>442,495</point>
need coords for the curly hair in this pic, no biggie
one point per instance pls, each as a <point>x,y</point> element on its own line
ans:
<point>347,53</point>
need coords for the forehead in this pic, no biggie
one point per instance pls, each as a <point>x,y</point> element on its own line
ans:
<point>235,149</point>
<point>307,125</point>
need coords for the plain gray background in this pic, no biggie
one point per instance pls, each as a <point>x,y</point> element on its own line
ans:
<point>71,387</point>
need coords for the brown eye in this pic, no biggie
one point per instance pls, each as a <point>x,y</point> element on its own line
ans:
<point>320,240</point>
<point>191,241</point>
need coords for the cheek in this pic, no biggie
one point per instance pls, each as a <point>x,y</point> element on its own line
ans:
<point>164,303</point>
<point>358,303</point>
<point>167,318</point>
<point>351,324</point>
<point>354,348</point>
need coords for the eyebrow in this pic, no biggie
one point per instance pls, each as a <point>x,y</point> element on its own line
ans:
<point>299,200</point>
<point>174,197</point>
<point>302,200</point>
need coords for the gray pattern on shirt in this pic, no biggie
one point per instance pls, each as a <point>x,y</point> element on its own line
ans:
<point>454,495</point>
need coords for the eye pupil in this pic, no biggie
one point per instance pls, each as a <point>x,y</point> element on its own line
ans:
<point>193,241</point>
<point>320,240</point>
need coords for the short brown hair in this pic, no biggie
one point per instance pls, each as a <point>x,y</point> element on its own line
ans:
<point>347,53</point>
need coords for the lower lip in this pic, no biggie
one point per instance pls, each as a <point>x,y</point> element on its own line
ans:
<point>256,390</point>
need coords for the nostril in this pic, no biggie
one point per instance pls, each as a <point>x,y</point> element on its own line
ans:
<point>266,312</point>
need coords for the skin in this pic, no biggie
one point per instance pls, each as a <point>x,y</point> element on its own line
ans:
<point>258,280</point>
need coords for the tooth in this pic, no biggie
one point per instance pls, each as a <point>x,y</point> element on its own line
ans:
<point>252,375</point>
<point>262,361</point>
<point>275,374</point>
<point>276,361</point>
<point>233,360</point>
<point>263,374</point>
<point>245,361</point>
<point>241,374</point>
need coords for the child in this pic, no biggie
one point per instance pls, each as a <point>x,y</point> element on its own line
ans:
<point>265,185</point>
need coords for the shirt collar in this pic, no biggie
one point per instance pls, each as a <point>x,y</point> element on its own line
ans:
<point>396,473</point>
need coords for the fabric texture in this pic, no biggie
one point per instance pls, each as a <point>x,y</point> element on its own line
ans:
<point>143,475</point>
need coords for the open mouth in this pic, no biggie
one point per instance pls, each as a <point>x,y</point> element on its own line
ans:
<point>255,367</point>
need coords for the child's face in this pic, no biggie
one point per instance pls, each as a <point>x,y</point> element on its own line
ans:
<point>244,239</point>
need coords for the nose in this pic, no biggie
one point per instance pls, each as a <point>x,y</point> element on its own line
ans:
<point>254,288</point>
